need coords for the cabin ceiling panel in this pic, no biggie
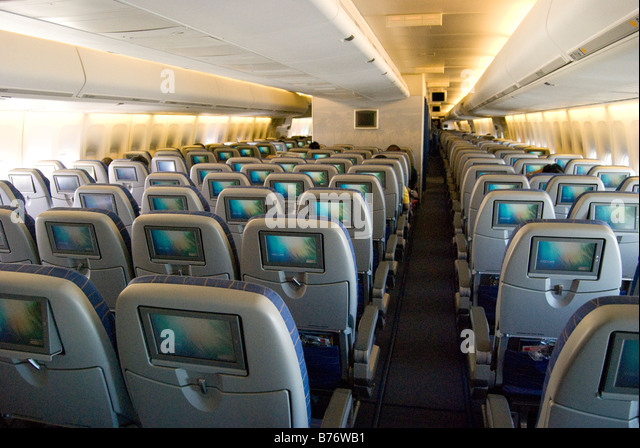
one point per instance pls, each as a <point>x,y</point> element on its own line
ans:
<point>305,45</point>
<point>297,39</point>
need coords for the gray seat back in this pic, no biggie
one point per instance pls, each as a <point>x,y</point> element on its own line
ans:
<point>592,377</point>
<point>70,374</point>
<point>620,211</point>
<point>201,352</point>
<point>93,242</point>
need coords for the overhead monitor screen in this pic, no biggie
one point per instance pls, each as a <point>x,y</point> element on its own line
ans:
<point>579,257</point>
<point>620,375</point>
<point>509,214</point>
<point>72,239</point>
<point>438,97</point>
<point>216,186</point>
<point>284,250</point>
<point>568,193</point>
<point>239,210</point>
<point>164,203</point>
<point>66,184</point>
<point>620,217</point>
<point>126,173</point>
<point>176,338</point>
<point>104,201</point>
<point>174,244</point>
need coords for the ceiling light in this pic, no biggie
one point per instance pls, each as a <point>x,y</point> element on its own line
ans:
<point>431,68</point>
<point>442,83</point>
<point>434,19</point>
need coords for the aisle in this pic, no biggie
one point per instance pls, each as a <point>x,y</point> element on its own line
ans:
<point>423,383</point>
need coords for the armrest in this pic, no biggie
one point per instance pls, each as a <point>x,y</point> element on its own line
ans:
<point>479,354</point>
<point>403,225</point>
<point>390,249</point>
<point>463,295</point>
<point>365,336</point>
<point>480,327</point>
<point>458,222</point>
<point>379,296</point>
<point>339,412</point>
<point>365,352</point>
<point>464,277</point>
<point>497,413</point>
<point>460,242</point>
<point>380,279</point>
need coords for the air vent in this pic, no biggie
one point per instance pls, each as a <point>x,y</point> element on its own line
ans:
<point>187,104</point>
<point>35,92</point>
<point>117,98</point>
<point>620,31</point>
<point>231,108</point>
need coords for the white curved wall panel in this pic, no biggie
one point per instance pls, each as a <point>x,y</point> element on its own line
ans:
<point>39,68</point>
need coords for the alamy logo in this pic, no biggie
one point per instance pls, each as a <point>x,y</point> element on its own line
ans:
<point>168,344</point>
<point>339,206</point>
<point>17,215</point>
<point>618,214</point>
<point>468,80</point>
<point>168,83</point>
<point>468,344</point>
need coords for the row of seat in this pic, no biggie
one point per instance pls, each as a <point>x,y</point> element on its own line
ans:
<point>524,276</point>
<point>187,352</point>
<point>56,186</point>
<point>317,273</point>
<point>310,263</point>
